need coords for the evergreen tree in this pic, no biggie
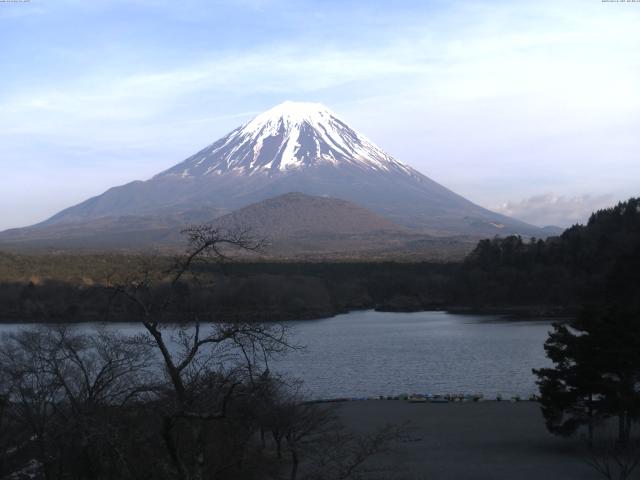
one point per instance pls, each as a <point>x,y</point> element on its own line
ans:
<point>569,391</point>
<point>596,372</point>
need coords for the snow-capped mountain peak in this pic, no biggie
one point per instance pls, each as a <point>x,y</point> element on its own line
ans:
<point>293,147</point>
<point>289,137</point>
<point>291,114</point>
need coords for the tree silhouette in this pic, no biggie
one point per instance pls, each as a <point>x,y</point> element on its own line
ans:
<point>596,358</point>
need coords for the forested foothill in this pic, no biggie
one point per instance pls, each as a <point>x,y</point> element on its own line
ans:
<point>552,276</point>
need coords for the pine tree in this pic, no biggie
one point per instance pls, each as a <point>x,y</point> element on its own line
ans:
<point>569,392</point>
<point>596,372</point>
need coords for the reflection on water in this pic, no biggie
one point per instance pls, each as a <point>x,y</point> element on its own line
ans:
<point>373,353</point>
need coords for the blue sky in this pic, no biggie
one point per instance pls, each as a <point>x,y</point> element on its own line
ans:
<point>530,108</point>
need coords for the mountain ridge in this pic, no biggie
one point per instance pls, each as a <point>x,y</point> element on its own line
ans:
<point>293,225</point>
<point>297,214</point>
<point>297,147</point>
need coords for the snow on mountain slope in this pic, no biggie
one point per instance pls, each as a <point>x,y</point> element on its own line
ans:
<point>290,136</point>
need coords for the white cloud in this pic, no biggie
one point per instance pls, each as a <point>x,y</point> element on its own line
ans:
<point>557,210</point>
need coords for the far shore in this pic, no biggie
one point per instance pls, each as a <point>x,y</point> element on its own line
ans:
<point>508,313</point>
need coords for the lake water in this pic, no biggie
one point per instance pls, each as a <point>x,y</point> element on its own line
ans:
<point>377,353</point>
<point>374,353</point>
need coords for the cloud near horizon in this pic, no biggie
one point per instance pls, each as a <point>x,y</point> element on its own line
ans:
<point>555,210</point>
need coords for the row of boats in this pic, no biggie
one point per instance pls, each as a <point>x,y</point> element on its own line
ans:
<point>427,398</point>
<point>419,398</point>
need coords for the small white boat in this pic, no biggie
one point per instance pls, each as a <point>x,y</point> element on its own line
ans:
<point>415,398</point>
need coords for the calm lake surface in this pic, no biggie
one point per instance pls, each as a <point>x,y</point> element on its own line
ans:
<point>375,353</point>
<point>378,353</point>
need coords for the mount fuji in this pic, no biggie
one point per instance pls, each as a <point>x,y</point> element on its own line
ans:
<point>293,147</point>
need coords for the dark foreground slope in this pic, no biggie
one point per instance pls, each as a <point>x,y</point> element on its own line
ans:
<point>469,441</point>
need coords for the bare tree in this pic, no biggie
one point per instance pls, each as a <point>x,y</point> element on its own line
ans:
<point>5,405</point>
<point>316,442</point>
<point>339,454</point>
<point>613,460</point>
<point>63,388</point>
<point>205,365</point>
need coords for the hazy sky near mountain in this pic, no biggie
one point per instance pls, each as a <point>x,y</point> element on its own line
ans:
<point>530,108</point>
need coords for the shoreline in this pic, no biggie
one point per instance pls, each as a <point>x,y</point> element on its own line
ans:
<point>414,398</point>
<point>510,313</point>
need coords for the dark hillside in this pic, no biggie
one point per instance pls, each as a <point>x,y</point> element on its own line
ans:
<point>561,270</point>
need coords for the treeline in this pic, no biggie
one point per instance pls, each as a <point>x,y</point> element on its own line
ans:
<point>566,270</point>
<point>263,291</point>
<point>544,276</point>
